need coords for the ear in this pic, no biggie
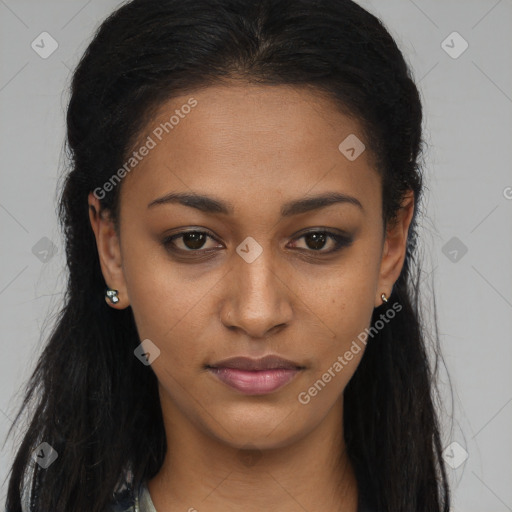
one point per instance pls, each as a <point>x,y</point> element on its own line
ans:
<point>395,246</point>
<point>109,251</point>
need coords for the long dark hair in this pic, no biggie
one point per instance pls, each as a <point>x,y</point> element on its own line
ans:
<point>93,401</point>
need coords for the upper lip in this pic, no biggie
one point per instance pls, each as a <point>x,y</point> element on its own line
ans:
<point>270,362</point>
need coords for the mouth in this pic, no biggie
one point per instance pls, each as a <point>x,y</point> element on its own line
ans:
<point>255,376</point>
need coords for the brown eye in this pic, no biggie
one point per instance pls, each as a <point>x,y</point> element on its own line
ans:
<point>315,241</point>
<point>188,241</point>
<point>194,240</point>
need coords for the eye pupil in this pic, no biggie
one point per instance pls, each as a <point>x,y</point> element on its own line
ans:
<point>318,240</point>
<point>194,240</point>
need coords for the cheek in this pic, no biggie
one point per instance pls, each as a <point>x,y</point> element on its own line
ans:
<point>346,301</point>
<point>345,307</point>
<point>337,355</point>
<point>167,306</point>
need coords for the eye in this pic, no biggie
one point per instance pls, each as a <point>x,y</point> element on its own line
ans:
<point>316,240</point>
<point>188,241</point>
<point>194,242</point>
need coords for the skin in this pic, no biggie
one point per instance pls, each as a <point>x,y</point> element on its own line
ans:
<point>256,147</point>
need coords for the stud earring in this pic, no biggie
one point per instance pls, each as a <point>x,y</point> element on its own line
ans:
<point>384,298</point>
<point>112,295</point>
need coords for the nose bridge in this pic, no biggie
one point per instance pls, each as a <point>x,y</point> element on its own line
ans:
<point>258,279</point>
<point>258,299</point>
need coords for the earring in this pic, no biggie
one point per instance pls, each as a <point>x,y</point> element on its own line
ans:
<point>384,298</point>
<point>112,295</point>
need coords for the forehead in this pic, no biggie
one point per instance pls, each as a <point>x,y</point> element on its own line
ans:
<point>255,142</point>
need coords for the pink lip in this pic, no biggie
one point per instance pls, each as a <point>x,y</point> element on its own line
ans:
<point>254,382</point>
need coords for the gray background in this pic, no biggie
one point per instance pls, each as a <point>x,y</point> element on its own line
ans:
<point>468,106</point>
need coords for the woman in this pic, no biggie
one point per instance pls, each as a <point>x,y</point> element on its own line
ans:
<point>241,326</point>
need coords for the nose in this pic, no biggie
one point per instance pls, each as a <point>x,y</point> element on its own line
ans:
<point>258,301</point>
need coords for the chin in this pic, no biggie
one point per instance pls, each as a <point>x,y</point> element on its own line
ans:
<point>260,433</point>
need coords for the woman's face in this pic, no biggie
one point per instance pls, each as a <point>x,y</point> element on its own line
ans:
<point>263,164</point>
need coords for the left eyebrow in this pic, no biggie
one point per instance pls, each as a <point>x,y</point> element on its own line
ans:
<point>217,206</point>
<point>316,202</point>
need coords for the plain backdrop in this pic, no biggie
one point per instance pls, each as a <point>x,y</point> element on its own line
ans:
<point>460,53</point>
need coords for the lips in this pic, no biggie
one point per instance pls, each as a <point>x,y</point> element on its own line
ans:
<point>255,376</point>
<point>270,362</point>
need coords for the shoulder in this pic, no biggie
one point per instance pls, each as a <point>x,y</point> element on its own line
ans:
<point>117,507</point>
<point>123,497</point>
<point>123,502</point>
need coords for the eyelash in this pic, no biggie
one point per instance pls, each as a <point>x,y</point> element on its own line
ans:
<point>341,242</point>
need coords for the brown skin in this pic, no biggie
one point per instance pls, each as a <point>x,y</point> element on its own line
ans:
<point>256,147</point>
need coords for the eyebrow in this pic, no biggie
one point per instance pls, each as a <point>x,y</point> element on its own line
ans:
<point>208,204</point>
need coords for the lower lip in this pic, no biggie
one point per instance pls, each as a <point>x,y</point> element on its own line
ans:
<point>258,382</point>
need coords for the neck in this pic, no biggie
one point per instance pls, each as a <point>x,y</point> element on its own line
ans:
<point>202,473</point>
